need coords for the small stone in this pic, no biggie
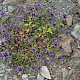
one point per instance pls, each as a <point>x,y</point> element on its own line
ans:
<point>66,43</point>
<point>15,77</point>
<point>76,54</point>
<point>69,20</point>
<point>45,72</point>
<point>2,71</point>
<point>78,42</point>
<point>24,76</point>
<point>76,31</point>
<point>79,2</point>
<point>5,77</point>
<point>65,72</point>
<point>1,74</point>
<point>39,77</point>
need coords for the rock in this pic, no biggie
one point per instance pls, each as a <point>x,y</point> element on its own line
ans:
<point>66,43</point>
<point>79,2</point>
<point>1,74</point>
<point>76,54</point>
<point>45,72</point>
<point>15,77</point>
<point>24,76</point>
<point>65,73</point>
<point>13,2</point>
<point>76,31</point>
<point>39,77</point>
<point>69,20</point>
<point>78,42</point>
<point>2,71</point>
<point>5,77</point>
<point>9,70</point>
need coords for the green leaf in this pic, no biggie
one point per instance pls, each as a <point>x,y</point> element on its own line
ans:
<point>50,30</point>
<point>58,20</point>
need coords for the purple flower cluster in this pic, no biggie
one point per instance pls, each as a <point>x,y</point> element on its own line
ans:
<point>33,14</point>
<point>5,54</point>
<point>35,68</point>
<point>9,37</point>
<point>2,13</point>
<point>29,8</point>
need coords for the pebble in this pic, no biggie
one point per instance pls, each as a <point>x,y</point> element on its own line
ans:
<point>76,31</point>
<point>15,77</point>
<point>79,2</point>
<point>1,74</point>
<point>66,43</point>
<point>65,72</point>
<point>69,20</point>
<point>76,54</point>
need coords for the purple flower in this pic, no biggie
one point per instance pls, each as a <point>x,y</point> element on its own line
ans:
<point>33,14</point>
<point>3,31</point>
<point>39,67</point>
<point>9,37</point>
<point>64,15</point>
<point>12,25</point>
<point>44,51</point>
<point>10,53</point>
<point>5,25</point>
<point>60,37</point>
<point>52,20</point>
<point>1,13</point>
<point>37,7</point>
<point>21,11</point>
<point>21,18</point>
<point>33,50</point>
<point>60,57</point>
<point>51,14</point>
<point>33,67</point>
<point>51,55</point>
<point>38,55</point>
<point>28,8</point>
<point>11,66</point>
<point>27,40</point>
<point>43,58</point>
<point>55,43</point>
<point>19,68</point>
<point>61,47</point>
<point>53,23</point>
<point>67,31</point>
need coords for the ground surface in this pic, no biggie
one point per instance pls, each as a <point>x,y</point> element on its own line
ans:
<point>69,68</point>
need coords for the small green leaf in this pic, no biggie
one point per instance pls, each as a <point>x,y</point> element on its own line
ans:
<point>50,30</point>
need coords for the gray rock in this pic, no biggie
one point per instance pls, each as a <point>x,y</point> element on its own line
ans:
<point>76,31</point>
<point>69,20</point>
<point>79,2</point>
<point>65,73</point>
<point>76,54</point>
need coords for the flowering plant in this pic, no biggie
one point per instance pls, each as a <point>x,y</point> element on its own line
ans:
<point>35,38</point>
